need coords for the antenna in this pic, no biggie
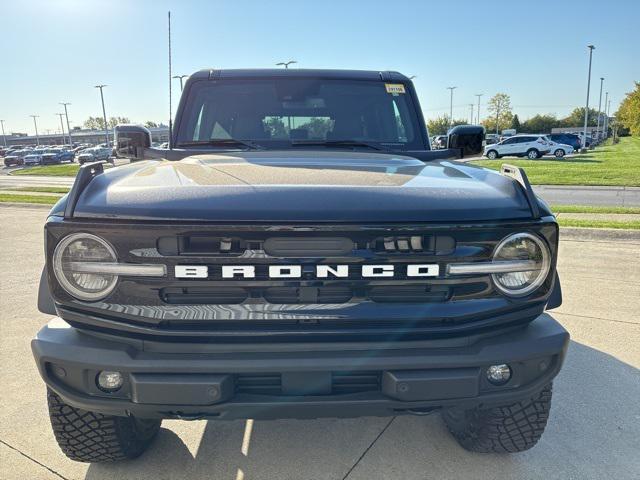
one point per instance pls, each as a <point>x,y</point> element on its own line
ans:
<point>170,112</point>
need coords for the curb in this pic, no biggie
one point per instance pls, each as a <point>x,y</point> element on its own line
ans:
<point>26,205</point>
<point>610,234</point>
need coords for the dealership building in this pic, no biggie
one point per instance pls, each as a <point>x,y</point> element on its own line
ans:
<point>158,134</point>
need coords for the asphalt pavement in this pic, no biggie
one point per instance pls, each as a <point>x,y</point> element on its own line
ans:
<point>593,431</point>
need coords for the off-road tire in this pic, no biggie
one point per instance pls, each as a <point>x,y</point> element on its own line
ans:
<point>504,429</point>
<point>92,437</point>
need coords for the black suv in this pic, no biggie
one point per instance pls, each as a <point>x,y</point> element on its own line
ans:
<point>298,252</point>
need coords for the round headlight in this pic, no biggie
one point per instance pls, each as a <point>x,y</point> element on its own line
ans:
<point>534,255</point>
<point>68,258</point>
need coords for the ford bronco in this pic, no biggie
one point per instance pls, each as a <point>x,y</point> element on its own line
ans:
<point>299,251</point>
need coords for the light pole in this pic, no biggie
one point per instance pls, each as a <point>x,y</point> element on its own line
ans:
<point>411,77</point>
<point>4,137</point>
<point>605,122</point>
<point>104,114</point>
<point>451,106</point>
<point>286,64</point>
<point>180,77</point>
<point>35,124</point>
<point>599,109</point>
<point>61,125</point>
<point>471,118</point>
<point>586,110</point>
<point>66,114</point>
<point>479,95</point>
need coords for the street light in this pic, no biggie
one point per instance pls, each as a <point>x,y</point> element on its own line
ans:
<point>451,106</point>
<point>586,110</point>
<point>180,77</point>
<point>66,114</point>
<point>411,77</point>
<point>606,116</point>
<point>35,124</point>
<point>61,125</point>
<point>4,137</point>
<point>286,64</point>
<point>479,95</point>
<point>599,109</point>
<point>104,114</point>
<point>471,118</point>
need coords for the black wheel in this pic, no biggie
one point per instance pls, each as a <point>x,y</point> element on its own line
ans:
<point>86,436</point>
<point>504,429</point>
<point>533,154</point>
<point>492,155</point>
<point>559,153</point>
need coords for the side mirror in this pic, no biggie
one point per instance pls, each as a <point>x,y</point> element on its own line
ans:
<point>131,141</point>
<point>467,138</point>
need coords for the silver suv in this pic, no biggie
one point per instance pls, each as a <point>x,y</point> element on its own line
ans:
<point>526,145</point>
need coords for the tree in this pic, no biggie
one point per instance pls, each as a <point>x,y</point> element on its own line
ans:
<point>440,125</point>
<point>500,116</point>
<point>150,124</point>
<point>540,124</point>
<point>113,121</point>
<point>94,123</point>
<point>628,114</point>
<point>515,123</point>
<point>576,118</point>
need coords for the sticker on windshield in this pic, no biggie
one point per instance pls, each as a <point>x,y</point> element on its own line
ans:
<point>394,88</point>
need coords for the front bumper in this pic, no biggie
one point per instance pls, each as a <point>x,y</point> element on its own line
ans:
<point>230,381</point>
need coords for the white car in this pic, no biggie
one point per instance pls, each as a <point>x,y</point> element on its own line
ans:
<point>94,154</point>
<point>34,158</point>
<point>559,150</point>
<point>531,146</point>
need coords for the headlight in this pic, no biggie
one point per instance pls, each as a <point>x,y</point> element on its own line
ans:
<point>531,261</point>
<point>68,259</point>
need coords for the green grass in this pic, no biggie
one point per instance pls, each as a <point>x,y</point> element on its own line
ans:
<point>41,189</point>
<point>50,170</point>
<point>606,165</point>
<point>569,222</point>
<point>38,199</point>
<point>586,209</point>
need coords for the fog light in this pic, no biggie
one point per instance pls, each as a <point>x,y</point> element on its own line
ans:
<point>109,381</point>
<point>499,374</point>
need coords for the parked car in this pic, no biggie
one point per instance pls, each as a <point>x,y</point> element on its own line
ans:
<point>559,150</point>
<point>439,142</point>
<point>491,138</point>
<point>15,158</point>
<point>94,154</point>
<point>530,146</point>
<point>567,138</point>
<point>57,155</point>
<point>34,157</point>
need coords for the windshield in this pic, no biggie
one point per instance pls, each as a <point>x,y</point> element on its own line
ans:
<point>279,112</point>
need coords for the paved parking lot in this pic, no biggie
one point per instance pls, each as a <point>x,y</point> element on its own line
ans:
<point>593,431</point>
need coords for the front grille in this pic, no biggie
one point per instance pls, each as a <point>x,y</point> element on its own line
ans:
<point>342,383</point>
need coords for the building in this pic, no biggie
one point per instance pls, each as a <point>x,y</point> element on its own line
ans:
<point>95,137</point>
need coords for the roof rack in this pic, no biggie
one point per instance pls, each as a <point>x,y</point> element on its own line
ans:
<point>519,175</point>
<point>87,172</point>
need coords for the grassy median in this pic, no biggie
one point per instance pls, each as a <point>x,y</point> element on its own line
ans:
<point>31,199</point>
<point>605,165</point>
<point>69,170</point>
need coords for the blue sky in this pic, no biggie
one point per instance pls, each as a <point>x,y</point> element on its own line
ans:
<point>56,50</point>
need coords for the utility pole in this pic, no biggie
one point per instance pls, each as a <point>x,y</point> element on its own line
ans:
<point>66,114</point>
<point>599,109</point>
<point>471,118</point>
<point>285,64</point>
<point>4,137</point>
<point>61,125</point>
<point>35,124</point>
<point>104,114</point>
<point>586,110</point>
<point>451,106</point>
<point>180,77</point>
<point>497,118</point>
<point>609,113</point>
<point>479,95</point>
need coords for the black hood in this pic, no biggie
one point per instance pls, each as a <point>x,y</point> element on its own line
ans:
<point>308,186</point>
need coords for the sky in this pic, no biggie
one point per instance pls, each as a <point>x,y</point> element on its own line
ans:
<point>57,50</point>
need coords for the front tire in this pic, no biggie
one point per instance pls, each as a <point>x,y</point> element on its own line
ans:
<point>492,154</point>
<point>533,154</point>
<point>504,429</point>
<point>86,436</point>
<point>559,153</point>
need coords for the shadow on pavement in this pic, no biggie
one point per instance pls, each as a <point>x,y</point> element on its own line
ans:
<point>592,433</point>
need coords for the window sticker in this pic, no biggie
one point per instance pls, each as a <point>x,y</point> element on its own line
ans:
<point>394,88</point>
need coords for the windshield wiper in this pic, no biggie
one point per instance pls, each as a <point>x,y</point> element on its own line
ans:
<point>336,143</point>
<point>222,142</point>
